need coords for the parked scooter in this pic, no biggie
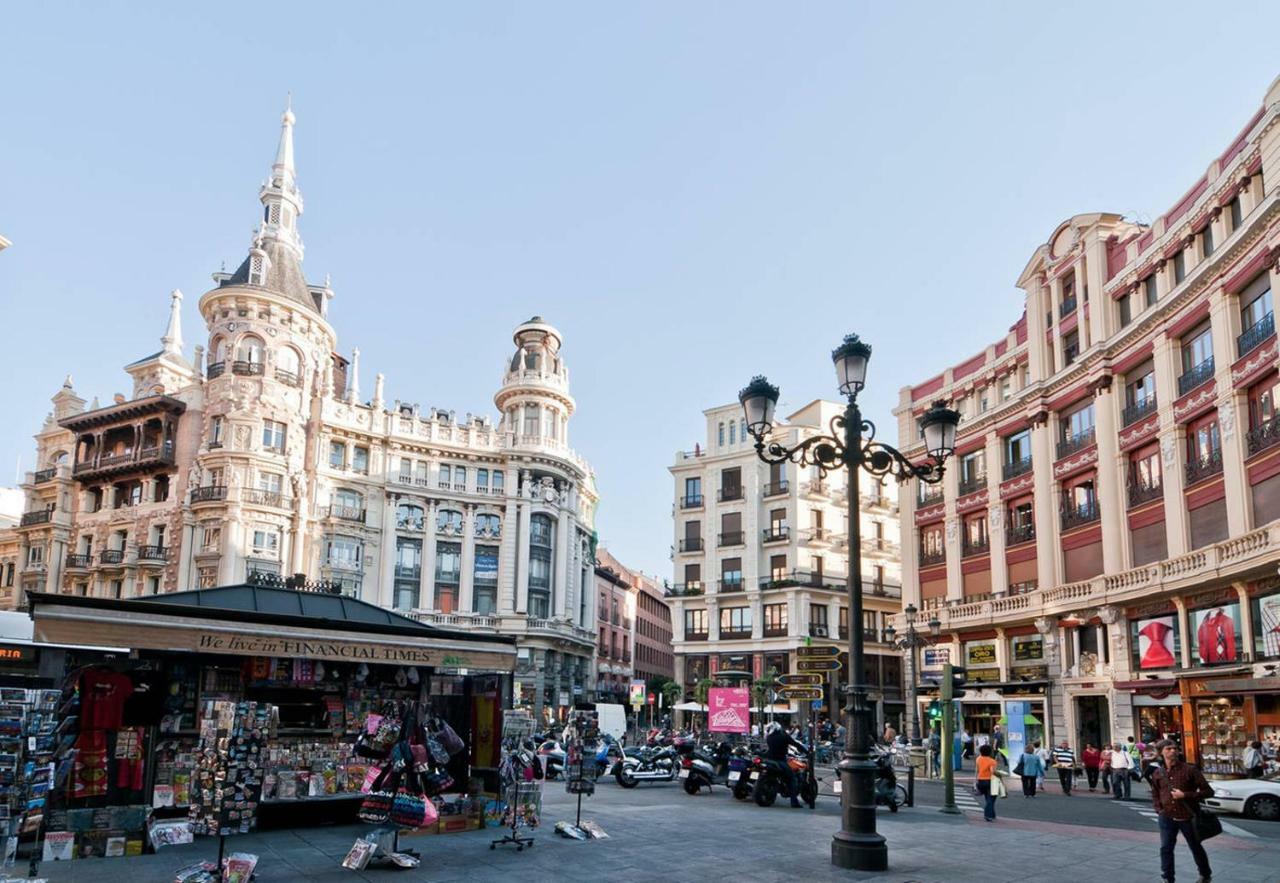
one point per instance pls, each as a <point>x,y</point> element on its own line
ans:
<point>552,754</point>
<point>742,763</point>
<point>771,780</point>
<point>647,765</point>
<point>704,766</point>
<point>608,755</point>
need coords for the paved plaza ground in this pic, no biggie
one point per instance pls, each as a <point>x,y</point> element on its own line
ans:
<point>658,833</point>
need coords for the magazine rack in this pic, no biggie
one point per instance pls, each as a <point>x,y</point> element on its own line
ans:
<point>521,795</point>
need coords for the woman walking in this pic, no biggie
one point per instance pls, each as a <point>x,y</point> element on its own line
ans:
<point>1030,768</point>
<point>986,782</point>
<point>1092,760</point>
<point>1106,767</point>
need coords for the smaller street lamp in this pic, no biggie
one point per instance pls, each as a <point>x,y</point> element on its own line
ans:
<point>910,643</point>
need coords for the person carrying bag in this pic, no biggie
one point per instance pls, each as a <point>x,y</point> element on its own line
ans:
<point>1176,792</point>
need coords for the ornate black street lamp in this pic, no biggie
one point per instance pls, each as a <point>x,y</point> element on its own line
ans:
<point>911,642</point>
<point>852,446</point>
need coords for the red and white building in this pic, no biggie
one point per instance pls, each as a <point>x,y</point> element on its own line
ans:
<point>1105,543</point>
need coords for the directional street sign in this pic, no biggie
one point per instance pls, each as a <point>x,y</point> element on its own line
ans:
<point>811,680</point>
<point>817,650</point>
<point>800,693</point>
<point>818,665</point>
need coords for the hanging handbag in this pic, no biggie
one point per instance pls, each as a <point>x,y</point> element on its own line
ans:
<point>408,810</point>
<point>437,750</point>
<point>450,741</point>
<point>1017,770</point>
<point>1206,824</point>
<point>375,809</point>
<point>437,783</point>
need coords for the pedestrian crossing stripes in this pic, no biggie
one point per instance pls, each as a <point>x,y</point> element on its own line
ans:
<point>966,801</point>
<point>1147,811</point>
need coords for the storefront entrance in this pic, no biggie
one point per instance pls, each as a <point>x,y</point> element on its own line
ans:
<point>1093,723</point>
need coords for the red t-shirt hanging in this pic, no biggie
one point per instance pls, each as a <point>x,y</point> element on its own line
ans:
<point>102,698</point>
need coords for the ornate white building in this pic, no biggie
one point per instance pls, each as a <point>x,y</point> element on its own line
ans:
<point>261,458</point>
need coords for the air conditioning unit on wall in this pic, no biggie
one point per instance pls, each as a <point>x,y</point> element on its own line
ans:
<point>819,631</point>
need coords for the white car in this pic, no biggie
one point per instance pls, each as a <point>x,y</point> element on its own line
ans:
<point>1253,798</point>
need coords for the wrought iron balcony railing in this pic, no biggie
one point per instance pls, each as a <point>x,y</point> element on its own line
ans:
<point>776,534</point>
<point>1256,334</point>
<point>1138,410</point>
<point>776,488</point>
<point>691,544</point>
<point>1019,533</point>
<point>1077,442</point>
<point>1201,373</point>
<point>208,494</point>
<point>1204,466</point>
<point>1084,513</point>
<point>1264,435</point>
<point>1144,492</point>
<point>691,501</point>
<point>1017,467</point>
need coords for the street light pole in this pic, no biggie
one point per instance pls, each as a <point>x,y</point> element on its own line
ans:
<point>851,446</point>
<point>911,642</point>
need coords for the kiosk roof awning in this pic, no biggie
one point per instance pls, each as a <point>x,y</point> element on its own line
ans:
<point>265,621</point>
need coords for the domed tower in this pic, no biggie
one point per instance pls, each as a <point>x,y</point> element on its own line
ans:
<point>270,358</point>
<point>534,397</point>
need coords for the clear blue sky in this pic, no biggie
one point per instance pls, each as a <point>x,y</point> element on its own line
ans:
<point>692,193</point>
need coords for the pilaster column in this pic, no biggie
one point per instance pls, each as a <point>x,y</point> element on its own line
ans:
<point>466,580</point>
<point>1040,351</point>
<point>1115,526</point>
<point>1082,300</point>
<point>522,546</point>
<point>955,574</point>
<point>1045,502</point>
<point>564,529</point>
<point>757,618</point>
<point>1002,654</point>
<point>388,554</point>
<point>1247,200</point>
<point>188,539</point>
<point>1184,632</point>
<point>427,587</point>
<point>996,518</point>
<point>507,555</point>
<point>1172,447</point>
<point>1246,618</point>
<point>1224,319</point>
<point>1055,301</point>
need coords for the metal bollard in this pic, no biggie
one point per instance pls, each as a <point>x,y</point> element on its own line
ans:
<point>911,786</point>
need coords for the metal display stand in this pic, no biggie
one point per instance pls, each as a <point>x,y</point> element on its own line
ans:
<point>517,791</point>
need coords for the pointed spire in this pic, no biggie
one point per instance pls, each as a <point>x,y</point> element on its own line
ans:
<point>353,381</point>
<point>283,167</point>
<point>172,339</point>
<point>379,383</point>
<point>67,384</point>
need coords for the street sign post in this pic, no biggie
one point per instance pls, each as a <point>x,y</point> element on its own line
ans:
<point>805,680</point>
<point>810,693</point>
<point>808,665</point>
<point>817,650</point>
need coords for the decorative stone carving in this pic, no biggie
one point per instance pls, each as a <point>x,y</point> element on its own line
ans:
<point>1088,663</point>
<point>1168,452</point>
<point>953,529</point>
<point>1227,420</point>
<point>1108,614</point>
<point>995,517</point>
<point>242,438</point>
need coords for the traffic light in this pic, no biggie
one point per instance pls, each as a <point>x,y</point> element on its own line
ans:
<point>959,678</point>
<point>935,712</point>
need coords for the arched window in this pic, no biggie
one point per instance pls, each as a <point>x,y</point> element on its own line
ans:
<point>250,350</point>
<point>409,516</point>
<point>541,545</point>
<point>217,351</point>
<point>58,458</point>
<point>488,525</point>
<point>449,521</point>
<point>288,364</point>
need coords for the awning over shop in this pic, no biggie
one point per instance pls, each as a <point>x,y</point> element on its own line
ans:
<point>265,621</point>
<point>1027,720</point>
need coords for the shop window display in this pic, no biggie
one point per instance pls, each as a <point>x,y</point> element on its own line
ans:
<point>1216,635</point>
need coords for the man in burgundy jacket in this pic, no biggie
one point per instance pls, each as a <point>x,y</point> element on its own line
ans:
<point>1176,790</point>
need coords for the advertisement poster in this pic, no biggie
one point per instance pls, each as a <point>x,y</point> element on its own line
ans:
<point>637,693</point>
<point>1216,632</point>
<point>936,657</point>
<point>980,654</point>
<point>1155,642</point>
<point>1028,649</point>
<point>486,566</point>
<point>728,710</point>
<point>1270,623</point>
<point>1015,731</point>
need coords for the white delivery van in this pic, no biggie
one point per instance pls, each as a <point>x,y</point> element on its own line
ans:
<point>612,719</point>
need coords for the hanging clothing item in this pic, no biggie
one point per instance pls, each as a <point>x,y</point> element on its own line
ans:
<point>102,697</point>
<point>1158,653</point>
<point>1216,638</point>
<point>89,775</point>
<point>130,762</point>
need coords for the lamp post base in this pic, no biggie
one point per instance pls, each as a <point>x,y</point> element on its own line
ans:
<point>859,852</point>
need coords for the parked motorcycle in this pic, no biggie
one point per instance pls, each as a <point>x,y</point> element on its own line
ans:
<point>742,763</point>
<point>647,765</point>
<point>771,780</point>
<point>702,767</point>
<point>608,755</point>
<point>887,790</point>
<point>552,754</point>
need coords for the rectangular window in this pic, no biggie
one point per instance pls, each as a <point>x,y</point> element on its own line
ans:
<point>777,567</point>
<point>1256,311</point>
<point>775,620</point>
<point>1144,469</point>
<point>266,543</point>
<point>344,553</point>
<point>459,478</point>
<point>695,624</point>
<point>731,573</point>
<point>1077,425</point>
<point>273,436</point>
<point>1150,287</point>
<point>735,621</point>
<point>1197,348</point>
<point>818,615</point>
<point>731,484</point>
<point>693,576</point>
<point>1017,447</point>
<point>693,488</point>
<point>360,460</point>
<point>482,481</point>
<point>1070,347</point>
<point>499,481</point>
<point>777,520</point>
<point>1206,241</point>
<point>215,432</point>
<point>1203,441</point>
<point>973,471</point>
<point>337,455</point>
<point>1141,391</point>
<point>446,476</point>
<point>271,482</point>
<point>1179,267</point>
<point>1264,400</point>
<point>1126,310</point>
<point>1237,216</point>
<point>448,563</point>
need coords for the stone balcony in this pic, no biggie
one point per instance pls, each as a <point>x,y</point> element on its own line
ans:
<point>1253,553</point>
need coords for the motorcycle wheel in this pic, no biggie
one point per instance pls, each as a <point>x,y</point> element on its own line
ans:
<point>765,793</point>
<point>809,793</point>
<point>692,786</point>
<point>625,779</point>
<point>898,798</point>
<point>741,791</point>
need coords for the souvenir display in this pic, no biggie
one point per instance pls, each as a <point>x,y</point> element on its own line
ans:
<point>1223,737</point>
<point>229,766</point>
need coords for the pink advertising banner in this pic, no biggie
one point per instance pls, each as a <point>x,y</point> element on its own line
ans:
<point>728,710</point>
